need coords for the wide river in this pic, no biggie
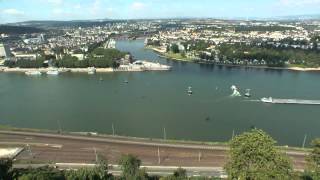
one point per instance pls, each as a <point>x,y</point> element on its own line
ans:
<point>154,101</point>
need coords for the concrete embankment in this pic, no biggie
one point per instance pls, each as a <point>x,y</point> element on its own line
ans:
<point>143,66</point>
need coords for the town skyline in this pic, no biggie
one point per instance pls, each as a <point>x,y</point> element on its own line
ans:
<point>19,11</point>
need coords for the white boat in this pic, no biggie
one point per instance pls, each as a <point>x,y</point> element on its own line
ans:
<point>53,72</point>
<point>33,73</point>
<point>267,100</point>
<point>91,70</point>
<point>189,90</point>
<point>247,94</point>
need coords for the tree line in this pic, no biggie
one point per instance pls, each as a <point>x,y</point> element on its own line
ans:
<point>262,28</point>
<point>253,155</point>
<point>99,57</point>
<point>273,56</point>
<point>130,167</point>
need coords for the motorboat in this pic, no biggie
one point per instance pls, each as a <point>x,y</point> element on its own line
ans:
<point>190,90</point>
<point>33,73</point>
<point>53,72</point>
<point>91,70</point>
<point>267,100</point>
<point>247,94</point>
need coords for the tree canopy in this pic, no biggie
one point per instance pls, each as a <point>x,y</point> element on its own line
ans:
<point>178,174</point>
<point>272,56</point>
<point>42,173</point>
<point>5,169</point>
<point>175,48</point>
<point>313,160</point>
<point>253,155</point>
<point>130,166</point>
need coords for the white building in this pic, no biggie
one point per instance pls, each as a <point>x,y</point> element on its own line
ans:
<point>31,57</point>
<point>4,52</point>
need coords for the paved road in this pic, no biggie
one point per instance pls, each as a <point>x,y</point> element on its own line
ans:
<point>47,148</point>
<point>151,170</point>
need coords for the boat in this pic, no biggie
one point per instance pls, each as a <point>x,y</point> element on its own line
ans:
<point>189,90</point>
<point>33,73</point>
<point>125,81</point>
<point>247,94</point>
<point>101,79</point>
<point>53,72</point>
<point>91,70</point>
<point>267,100</point>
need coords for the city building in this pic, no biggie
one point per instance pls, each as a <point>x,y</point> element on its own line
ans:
<point>4,52</point>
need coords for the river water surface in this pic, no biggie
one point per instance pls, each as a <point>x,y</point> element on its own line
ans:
<point>152,101</point>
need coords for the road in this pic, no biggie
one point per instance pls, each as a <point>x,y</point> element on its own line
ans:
<point>42,148</point>
<point>152,170</point>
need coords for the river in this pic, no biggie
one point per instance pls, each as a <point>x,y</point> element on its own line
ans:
<point>154,101</point>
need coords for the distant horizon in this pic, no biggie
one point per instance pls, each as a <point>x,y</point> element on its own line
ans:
<point>275,18</point>
<point>13,11</point>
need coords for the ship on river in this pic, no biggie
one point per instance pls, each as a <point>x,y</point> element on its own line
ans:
<point>290,101</point>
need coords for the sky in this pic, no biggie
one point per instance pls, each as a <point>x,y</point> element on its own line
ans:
<point>24,10</point>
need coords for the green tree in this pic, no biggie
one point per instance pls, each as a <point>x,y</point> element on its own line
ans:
<point>10,64</point>
<point>86,174</point>
<point>178,174</point>
<point>168,48</point>
<point>130,166</point>
<point>5,169</point>
<point>313,160</point>
<point>253,155</point>
<point>99,172</point>
<point>175,48</point>
<point>67,61</point>
<point>44,173</point>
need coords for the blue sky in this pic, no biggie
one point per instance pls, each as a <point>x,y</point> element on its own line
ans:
<point>22,10</point>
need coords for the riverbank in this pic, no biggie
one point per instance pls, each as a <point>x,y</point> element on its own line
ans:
<point>142,66</point>
<point>71,148</point>
<point>162,53</point>
<point>61,70</point>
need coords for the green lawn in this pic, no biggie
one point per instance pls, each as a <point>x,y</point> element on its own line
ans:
<point>177,56</point>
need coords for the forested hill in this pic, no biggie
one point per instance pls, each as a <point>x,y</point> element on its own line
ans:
<point>5,29</point>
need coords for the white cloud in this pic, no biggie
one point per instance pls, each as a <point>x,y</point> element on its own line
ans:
<point>13,12</point>
<point>299,2</point>
<point>55,2</point>
<point>57,11</point>
<point>95,7</point>
<point>77,6</point>
<point>138,6</point>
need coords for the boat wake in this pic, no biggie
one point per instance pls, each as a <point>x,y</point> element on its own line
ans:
<point>235,93</point>
<point>253,100</point>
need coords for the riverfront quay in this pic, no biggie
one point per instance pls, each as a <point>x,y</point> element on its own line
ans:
<point>154,101</point>
<point>144,66</point>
